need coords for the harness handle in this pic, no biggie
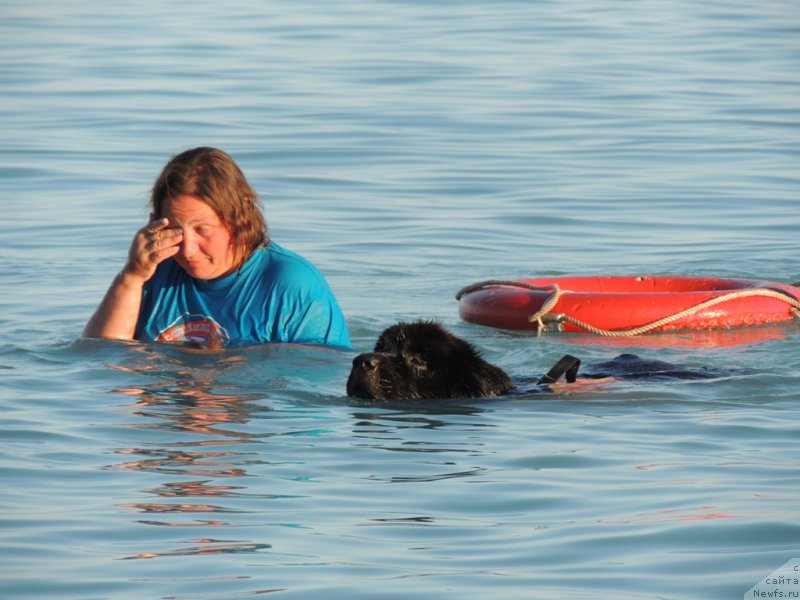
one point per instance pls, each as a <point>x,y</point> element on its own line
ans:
<point>567,366</point>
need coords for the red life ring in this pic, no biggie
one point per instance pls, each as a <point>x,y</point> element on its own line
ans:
<point>625,305</point>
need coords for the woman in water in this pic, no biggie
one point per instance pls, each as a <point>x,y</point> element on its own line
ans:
<point>204,270</point>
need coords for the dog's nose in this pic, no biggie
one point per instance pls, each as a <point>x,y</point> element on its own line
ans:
<point>366,362</point>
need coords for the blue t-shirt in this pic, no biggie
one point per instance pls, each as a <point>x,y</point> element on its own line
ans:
<point>277,296</point>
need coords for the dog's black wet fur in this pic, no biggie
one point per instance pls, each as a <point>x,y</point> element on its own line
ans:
<point>423,360</point>
<point>631,366</point>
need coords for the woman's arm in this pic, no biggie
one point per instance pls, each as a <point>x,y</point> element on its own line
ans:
<point>118,312</point>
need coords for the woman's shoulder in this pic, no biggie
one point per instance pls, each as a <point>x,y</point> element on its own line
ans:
<point>279,262</point>
<point>278,256</point>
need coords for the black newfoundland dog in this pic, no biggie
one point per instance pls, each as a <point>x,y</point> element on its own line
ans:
<point>423,360</point>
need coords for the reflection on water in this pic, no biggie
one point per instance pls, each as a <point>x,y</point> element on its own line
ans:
<point>179,407</point>
<point>198,436</point>
<point>190,402</point>
<point>196,488</point>
<point>419,419</point>
<point>208,546</point>
<point>184,463</point>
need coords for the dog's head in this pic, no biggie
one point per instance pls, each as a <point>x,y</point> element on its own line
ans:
<point>423,360</point>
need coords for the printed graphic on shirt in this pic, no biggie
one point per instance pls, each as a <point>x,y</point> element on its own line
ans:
<point>200,329</point>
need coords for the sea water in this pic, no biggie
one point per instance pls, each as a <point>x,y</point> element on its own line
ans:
<point>407,149</point>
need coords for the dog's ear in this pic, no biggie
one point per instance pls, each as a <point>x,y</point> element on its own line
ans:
<point>391,340</point>
<point>416,364</point>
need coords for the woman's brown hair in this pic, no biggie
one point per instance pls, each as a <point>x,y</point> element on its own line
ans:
<point>213,176</point>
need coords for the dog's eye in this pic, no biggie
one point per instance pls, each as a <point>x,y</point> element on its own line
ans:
<point>416,362</point>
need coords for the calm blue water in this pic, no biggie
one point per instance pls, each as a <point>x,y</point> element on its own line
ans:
<point>408,149</point>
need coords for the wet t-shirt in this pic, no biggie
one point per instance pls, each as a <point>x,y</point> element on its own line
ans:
<point>276,296</point>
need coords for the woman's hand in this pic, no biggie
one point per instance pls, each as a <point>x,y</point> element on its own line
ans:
<point>153,244</point>
<point>118,312</point>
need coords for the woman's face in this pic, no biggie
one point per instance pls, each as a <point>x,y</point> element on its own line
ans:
<point>206,250</point>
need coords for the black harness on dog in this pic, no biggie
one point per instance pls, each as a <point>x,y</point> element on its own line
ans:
<point>625,366</point>
<point>567,366</point>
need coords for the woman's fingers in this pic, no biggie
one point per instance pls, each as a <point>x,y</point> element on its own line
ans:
<point>162,241</point>
<point>163,237</point>
<point>153,243</point>
<point>165,248</point>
